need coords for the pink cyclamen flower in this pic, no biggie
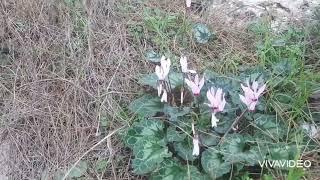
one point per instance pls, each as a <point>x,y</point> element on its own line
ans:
<point>217,102</point>
<point>195,85</point>
<point>188,3</point>
<point>251,94</point>
<point>163,70</point>
<point>184,66</point>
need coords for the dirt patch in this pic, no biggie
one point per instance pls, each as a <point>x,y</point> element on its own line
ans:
<point>281,12</point>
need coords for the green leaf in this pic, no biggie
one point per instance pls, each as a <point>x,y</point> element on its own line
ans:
<point>153,57</point>
<point>209,139</point>
<point>104,122</point>
<point>213,163</point>
<point>149,145</point>
<point>201,33</point>
<point>79,169</point>
<point>146,105</point>
<point>184,149</point>
<point>176,79</point>
<point>101,165</point>
<point>175,135</point>
<point>149,153</point>
<point>172,170</point>
<point>283,67</point>
<point>240,149</point>
<point>144,129</point>
<point>175,112</point>
<point>269,125</point>
<point>282,152</point>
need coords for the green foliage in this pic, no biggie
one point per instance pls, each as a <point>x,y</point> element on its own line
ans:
<point>79,170</point>
<point>176,79</point>
<point>172,170</point>
<point>148,142</point>
<point>101,165</point>
<point>202,33</point>
<point>213,163</point>
<point>146,105</point>
<point>162,139</point>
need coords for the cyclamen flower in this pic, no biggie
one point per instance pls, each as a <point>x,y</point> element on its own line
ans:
<point>188,3</point>
<point>196,147</point>
<point>251,94</point>
<point>217,102</point>
<point>163,70</point>
<point>195,85</point>
<point>164,97</point>
<point>195,141</point>
<point>184,66</point>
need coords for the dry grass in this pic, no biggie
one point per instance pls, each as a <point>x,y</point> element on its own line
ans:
<point>63,68</point>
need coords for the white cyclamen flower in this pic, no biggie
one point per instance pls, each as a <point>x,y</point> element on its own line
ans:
<point>164,97</point>
<point>163,70</point>
<point>195,85</point>
<point>217,102</point>
<point>184,66</point>
<point>196,147</point>
<point>188,3</point>
<point>251,94</point>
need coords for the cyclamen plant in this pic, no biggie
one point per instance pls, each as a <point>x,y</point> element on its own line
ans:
<point>203,118</point>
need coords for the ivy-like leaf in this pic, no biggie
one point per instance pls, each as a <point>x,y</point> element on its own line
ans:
<point>209,139</point>
<point>101,165</point>
<point>174,135</point>
<point>269,125</point>
<point>153,57</point>
<point>172,170</point>
<point>213,163</point>
<point>146,105</point>
<point>78,170</point>
<point>201,33</point>
<point>184,149</point>
<point>149,145</point>
<point>176,79</point>
<point>144,128</point>
<point>175,112</point>
<point>149,153</point>
<point>240,149</point>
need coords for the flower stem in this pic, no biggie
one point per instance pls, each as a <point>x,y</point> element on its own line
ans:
<point>233,125</point>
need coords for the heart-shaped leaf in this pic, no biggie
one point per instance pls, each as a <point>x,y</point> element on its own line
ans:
<point>172,170</point>
<point>78,170</point>
<point>175,79</point>
<point>213,163</point>
<point>146,105</point>
<point>201,33</point>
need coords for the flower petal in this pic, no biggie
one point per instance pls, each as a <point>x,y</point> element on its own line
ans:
<point>261,89</point>
<point>214,120</point>
<point>201,83</point>
<point>164,96</point>
<point>188,3</point>
<point>255,86</point>
<point>159,73</point>
<point>196,148</point>
<point>244,100</point>
<point>192,71</point>
<point>193,86</point>
<point>252,106</point>
<point>184,64</point>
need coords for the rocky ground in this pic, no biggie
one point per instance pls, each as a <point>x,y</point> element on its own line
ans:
<point>281,12</point>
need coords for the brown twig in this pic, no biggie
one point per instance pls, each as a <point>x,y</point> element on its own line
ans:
<point>233,125</point>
